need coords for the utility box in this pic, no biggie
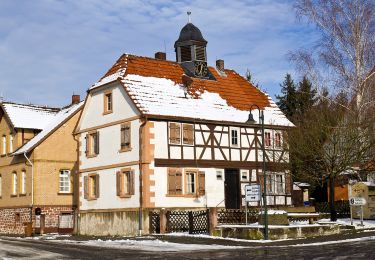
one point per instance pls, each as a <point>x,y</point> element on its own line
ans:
<point>365,190</point>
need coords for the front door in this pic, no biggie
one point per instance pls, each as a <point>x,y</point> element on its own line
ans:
<point>232,189</point>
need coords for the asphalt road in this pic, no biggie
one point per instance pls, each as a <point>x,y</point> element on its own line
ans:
<point>43,249</point>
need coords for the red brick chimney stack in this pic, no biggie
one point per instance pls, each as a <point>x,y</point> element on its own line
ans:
<point>76,99</point>
<point>160,55</point>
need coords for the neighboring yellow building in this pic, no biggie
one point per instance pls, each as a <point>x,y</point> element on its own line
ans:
<point>38,161</point>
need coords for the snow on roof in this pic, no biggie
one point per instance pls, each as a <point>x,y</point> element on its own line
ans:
<point>160,96</point>
<point>29,116</point>
<point>51,126</point>
<point>161,88</point>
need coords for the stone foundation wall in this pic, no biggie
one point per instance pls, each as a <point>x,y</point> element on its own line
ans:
<point>12,220</point>
<point>113,223</point>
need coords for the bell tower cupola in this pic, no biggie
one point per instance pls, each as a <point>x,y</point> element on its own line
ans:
<point>191,50</point>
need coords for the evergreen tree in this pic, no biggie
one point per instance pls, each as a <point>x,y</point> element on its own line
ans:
<point>306,96</point>
<point>287,101</point>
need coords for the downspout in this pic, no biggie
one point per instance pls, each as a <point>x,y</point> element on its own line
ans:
<point>140,215</point>
<point>32,187</point>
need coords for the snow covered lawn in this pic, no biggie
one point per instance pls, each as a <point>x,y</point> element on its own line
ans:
<point>356,223</point>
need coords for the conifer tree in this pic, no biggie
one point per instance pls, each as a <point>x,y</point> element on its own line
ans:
<point>287,101</point>
<point>306,96</point>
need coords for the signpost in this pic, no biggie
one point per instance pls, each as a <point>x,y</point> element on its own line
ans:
<point>358,201</point>
<point>252,194</point>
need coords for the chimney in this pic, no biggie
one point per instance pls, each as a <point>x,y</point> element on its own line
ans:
<point>76,99</point>
<point>220,65</point>
<point>160,55</point>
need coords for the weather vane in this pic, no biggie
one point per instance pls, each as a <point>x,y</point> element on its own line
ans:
<point>189,17</point>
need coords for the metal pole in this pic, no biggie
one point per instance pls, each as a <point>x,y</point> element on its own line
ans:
<point>261,117</point>
<point>362,215</point>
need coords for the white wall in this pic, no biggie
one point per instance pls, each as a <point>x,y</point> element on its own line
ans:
<point>214,191</point>
<point>107,192</point>
<point>109,147</point>
<point>93,112</point>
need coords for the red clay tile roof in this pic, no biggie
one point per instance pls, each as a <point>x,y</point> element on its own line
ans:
<point>232,87</point>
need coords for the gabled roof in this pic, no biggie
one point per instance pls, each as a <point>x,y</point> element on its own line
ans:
<point>52,125</point>
<point>161,88</point>
<point>28,116</point>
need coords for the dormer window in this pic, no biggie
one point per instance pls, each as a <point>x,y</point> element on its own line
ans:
<point>108,102</point>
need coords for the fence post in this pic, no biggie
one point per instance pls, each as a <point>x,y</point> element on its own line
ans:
<point>191,224</point>
<point>212,218</point>
<point>163,221</point>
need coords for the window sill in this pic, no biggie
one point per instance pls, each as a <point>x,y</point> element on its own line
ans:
<point>13,195</point>
<point>124,196</point>
<point>3,155</point>
<point>65,193</point>
<point>92,198</point>
<point>107,112</point>
<point>22,194</point>
<point>91,155</point>
<point>183,195</point>
<point>125,150</point>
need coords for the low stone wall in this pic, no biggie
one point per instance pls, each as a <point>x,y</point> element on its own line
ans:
<point>114,223</point>
<point>12,220</point>
<point>254,233</point>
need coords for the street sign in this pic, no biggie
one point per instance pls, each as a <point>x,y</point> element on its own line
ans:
<point>252,193</point>
<point>357,201</point>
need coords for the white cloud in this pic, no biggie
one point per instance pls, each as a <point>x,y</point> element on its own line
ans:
<point>50,49</point>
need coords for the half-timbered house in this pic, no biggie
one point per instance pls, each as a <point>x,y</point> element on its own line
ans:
<point>174,134</point>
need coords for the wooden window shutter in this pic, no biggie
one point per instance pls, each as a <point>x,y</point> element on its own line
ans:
<point>85,187</point>
<point>87,144</point>
<point>122,136</point>
<point>118,184</point>
<point>127,135</point>
<point>172,133</point>
<point>261,181</point>
<point>188,134</point>
<point>97,143</point>
<point>171,181</point>
<point>178,181</point>
<point>97,185</point>
<point>131,183</point>
<point>178,133</point>
<point>201,183</point>
<point>288,183</point>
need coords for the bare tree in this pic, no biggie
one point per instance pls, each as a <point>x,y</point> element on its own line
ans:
<point>345,52</point>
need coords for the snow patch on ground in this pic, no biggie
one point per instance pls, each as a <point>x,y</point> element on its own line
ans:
<point>148,245</point>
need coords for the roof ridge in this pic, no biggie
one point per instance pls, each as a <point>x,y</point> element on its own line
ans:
<point>45,107</point>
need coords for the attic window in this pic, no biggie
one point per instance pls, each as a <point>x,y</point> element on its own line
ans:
<point>185,53</point>
<point>200,53</point>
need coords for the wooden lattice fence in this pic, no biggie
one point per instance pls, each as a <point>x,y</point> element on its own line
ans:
<point>154,222</point>
<point>199,222</point>
<point>177,221</point>
<point>237,216</point>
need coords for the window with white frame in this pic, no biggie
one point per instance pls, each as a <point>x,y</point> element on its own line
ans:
<point>190,182</point>
<point>267,139</point>
<point>234,136</point>
<point>4,150</point>
<point>23,183</point>
<point>11,143</point>
<point>14,183</point>
<point>64,181</point>
<point>277,140</point>
<point>279,184</point>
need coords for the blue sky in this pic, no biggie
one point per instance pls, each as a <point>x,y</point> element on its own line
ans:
<point>52,49</point>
